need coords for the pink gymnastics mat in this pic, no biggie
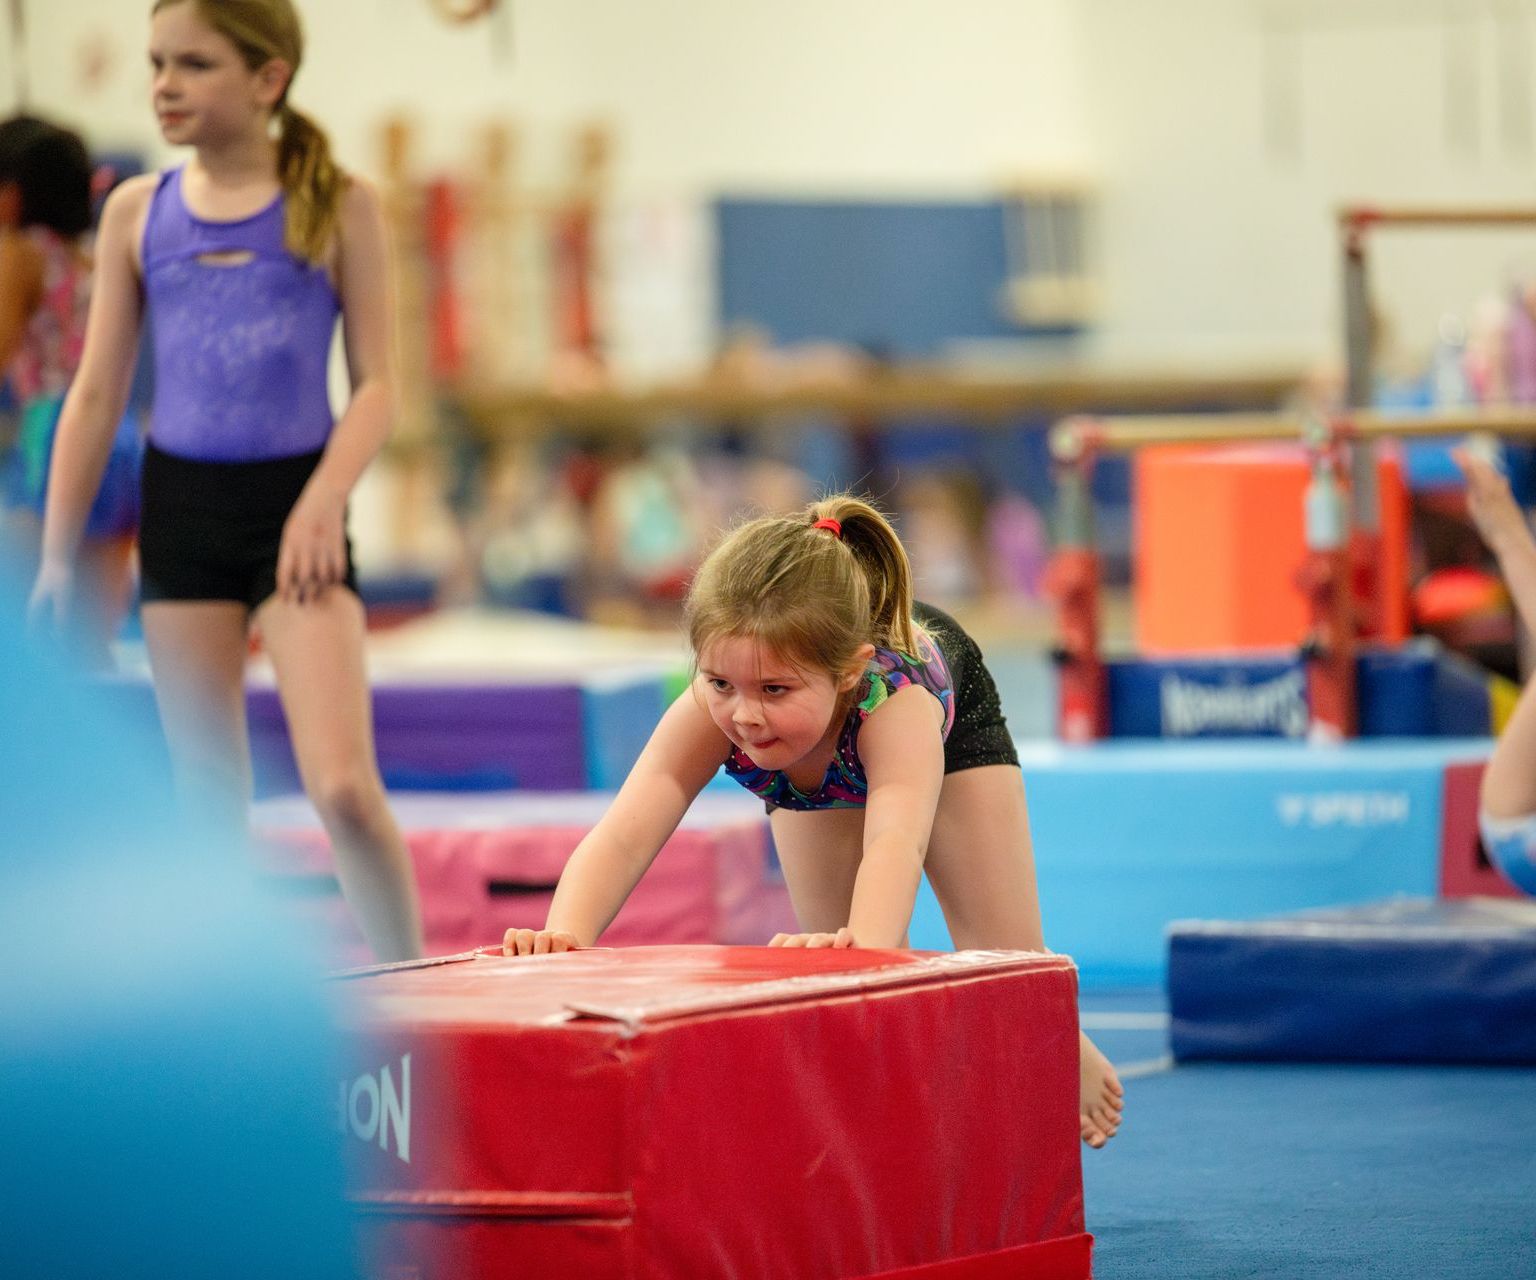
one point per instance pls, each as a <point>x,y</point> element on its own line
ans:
<point>487,862</point>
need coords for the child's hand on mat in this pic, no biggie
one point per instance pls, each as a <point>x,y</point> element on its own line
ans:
<point>842,938</point>
<point>313,553</point>
<point>538,942</point>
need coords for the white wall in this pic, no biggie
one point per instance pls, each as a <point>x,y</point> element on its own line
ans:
<point>1226,146</point>
<point>1222,147</point>
<point>708,94</point>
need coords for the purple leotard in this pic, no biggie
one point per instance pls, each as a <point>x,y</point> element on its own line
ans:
<point>241,351</point>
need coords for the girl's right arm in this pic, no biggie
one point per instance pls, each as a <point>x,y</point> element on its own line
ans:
<point>682,755</point>
<point>97,395</point>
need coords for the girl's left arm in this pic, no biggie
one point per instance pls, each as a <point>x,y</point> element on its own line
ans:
<point>903,755</point>
<point>313,553</point>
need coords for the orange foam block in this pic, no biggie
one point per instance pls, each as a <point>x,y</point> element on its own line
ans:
<point>1219,537</point>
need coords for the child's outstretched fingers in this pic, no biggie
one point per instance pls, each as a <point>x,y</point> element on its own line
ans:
<point>287,571</point>
<point>1490,503</point>
<point>538,942</point>
<point>48,606</point>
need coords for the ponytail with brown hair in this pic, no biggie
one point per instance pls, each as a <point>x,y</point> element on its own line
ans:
<point>887,569</point>
<point>812,587</point>
<point>312,182</point>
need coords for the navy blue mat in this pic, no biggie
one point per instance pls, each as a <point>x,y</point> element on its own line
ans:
<point>1410,980</point>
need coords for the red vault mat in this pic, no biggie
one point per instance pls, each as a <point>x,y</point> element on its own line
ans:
<point>662,1112</point>
<point>1465,870</point>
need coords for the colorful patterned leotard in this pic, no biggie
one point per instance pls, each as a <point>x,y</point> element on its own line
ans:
<point>54,338</point>
<point>40,373</point>
<point>845,786</point>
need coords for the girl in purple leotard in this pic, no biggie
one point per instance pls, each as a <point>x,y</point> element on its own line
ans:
<point>246,257</point>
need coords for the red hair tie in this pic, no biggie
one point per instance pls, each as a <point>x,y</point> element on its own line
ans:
<point>835,525</point>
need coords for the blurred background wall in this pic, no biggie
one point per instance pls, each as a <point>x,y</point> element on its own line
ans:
<point>660,261</point>
<point>1221,133</point>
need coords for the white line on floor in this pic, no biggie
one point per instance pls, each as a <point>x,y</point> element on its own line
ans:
<point>1150,1067</point>
<point>1105,1021</point>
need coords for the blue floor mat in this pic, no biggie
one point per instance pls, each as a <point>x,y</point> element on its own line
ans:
<point>1258,1172</point>
<point>1405,980</point>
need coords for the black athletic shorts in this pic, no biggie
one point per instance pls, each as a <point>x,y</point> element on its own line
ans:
<point>212,530</point>
<point>979,735</point>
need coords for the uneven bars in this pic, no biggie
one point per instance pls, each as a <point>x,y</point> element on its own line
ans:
<point>1362,216</point>
<point>1126,433</point>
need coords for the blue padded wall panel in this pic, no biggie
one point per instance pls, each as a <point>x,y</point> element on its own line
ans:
<point>899,279</point>
<point>1129,837</point>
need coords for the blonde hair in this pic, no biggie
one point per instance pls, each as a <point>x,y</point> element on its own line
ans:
<point>812,595</point>
<point>312,181</point>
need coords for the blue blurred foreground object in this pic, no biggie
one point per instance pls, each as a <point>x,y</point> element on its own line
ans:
<point>164,1052</point>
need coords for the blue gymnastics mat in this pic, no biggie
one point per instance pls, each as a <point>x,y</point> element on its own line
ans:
<point>1130,836</point>
<point>1407,980</point>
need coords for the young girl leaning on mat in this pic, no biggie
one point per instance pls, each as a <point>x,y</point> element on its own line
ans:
<point>871,728</point>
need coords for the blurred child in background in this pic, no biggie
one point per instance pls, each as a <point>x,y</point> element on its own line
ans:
<point>45,282</point>
<point>1508,801</point>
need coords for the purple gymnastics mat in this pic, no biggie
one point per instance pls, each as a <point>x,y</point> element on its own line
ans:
<point>484,700</point>
<point>462,737</point>
<point>543,732</point>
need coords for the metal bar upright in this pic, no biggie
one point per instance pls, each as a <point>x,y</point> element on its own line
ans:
<point>1073,582</point>
<point>1364,488</point>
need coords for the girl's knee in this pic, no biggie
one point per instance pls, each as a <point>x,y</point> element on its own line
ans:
<point>352,799</point>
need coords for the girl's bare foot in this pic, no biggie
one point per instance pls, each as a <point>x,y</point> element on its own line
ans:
<point>1102,1097</point>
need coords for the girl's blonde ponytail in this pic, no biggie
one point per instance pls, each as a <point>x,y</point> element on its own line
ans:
<point>312,182</point>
